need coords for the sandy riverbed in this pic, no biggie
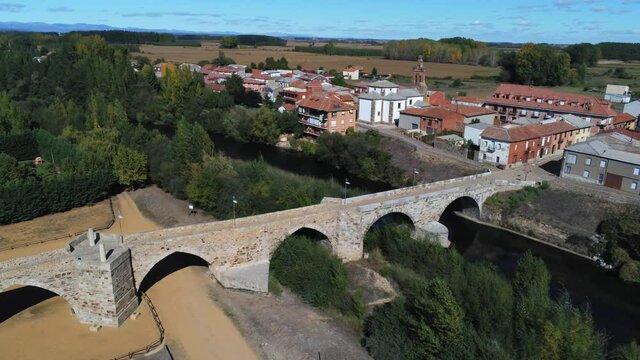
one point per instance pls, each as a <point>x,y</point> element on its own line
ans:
<point>196,328</point>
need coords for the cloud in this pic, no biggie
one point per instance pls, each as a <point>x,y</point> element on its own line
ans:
<point>564,3</point>
<point>60,9</point>
<point>11,7</point>
<point>601,8</point>
<point>169,13</point>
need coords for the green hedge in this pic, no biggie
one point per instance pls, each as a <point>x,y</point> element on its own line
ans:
<point>31,198</point>
<point>20,146</point>
<point>336,50</point>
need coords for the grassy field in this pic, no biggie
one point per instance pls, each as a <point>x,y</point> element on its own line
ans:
<point>247,55</point>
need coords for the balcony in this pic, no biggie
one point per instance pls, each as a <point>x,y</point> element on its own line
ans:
<point>313,122</point>
<point>490,149</point>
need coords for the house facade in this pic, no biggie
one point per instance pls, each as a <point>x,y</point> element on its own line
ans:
<point>515,145</point>
<point>431,120</point>
<point>633,108</point>
<point>384,101</point>
<point>611,160</point>
<point>352,72</point>
<point>323,112</point>
<point>516,101</point>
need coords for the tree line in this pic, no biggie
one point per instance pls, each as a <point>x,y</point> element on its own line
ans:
<point>332,49</point>
<point>451,50</point>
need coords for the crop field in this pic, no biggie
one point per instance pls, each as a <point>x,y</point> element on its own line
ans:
<point>247,55</point>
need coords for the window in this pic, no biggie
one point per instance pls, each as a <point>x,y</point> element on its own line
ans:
<point>587,161</point>
<point>499,146</point>
<point>414,126</point>
<point>398,105</point>
<point>586,174</point>
<point>636,171</point>
<point>334,123</point>
<point>571,159</point>
<point>516,148</point>
<point>603,164</point>
<point>567,169</point>
<point>600,179</point>
<point>634,186</point>
<point>378,113</point>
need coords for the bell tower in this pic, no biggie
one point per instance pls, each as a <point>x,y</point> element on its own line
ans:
<point>419,76</point>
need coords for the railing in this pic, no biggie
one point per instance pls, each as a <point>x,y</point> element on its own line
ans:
<point>147,349</point>
<point>308,123</point>
<point>42,241</point>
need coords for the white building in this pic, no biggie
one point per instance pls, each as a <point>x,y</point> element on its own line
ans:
<point>472,132</point>
<point>617,93</point>
<point>384,101</point>
<point>352,72</point>
<point>633,108</point>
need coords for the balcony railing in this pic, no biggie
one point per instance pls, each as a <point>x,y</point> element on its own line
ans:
<point>490,149</point>
<point>319,125</point>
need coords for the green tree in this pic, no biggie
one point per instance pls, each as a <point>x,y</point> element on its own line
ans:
<point>9,169</point>
<point>229,42</point>
<point>374,72</point>
<point>531,303</point>
<point>436,320</point>
<point>235,87</point>
<point>627,352</point>
<point>130,166</point>
<point>12,119</point>
<point>265,126</point>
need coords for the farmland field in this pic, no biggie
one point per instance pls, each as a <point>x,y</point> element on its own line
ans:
<point>247,55</point>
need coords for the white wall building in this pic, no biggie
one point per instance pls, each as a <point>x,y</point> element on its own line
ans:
<point>633,108</point>
<point>617,93</point>
<point>472,132</point>
<point>384,101</point>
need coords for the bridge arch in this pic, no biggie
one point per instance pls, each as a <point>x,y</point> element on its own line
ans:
<point>390,218</point>
<point>19,296</point>
<point>167,265</point>
<point>465,204</point>
<point>313,232</point>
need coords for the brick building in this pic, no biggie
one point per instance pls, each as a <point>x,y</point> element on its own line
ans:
<point>323,112</point>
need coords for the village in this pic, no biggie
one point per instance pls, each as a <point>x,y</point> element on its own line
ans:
<point>516,125</point>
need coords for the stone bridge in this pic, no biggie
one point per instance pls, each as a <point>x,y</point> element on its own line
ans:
<point>101,276</point>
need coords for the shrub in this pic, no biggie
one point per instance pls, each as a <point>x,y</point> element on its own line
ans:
<point>630,271</point>
<point>319,277</point>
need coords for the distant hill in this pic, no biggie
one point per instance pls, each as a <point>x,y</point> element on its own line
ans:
<point>65,28</point>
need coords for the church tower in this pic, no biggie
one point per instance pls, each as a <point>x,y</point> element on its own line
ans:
<point>419,77</point>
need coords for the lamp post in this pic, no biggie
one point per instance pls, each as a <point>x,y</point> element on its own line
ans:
<point>346,182</point>
<point>120,223</point>
<point>235,202</point>
<point>415,172</point>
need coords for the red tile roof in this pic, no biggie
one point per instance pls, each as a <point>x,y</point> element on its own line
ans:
<point>527,132</point>
<point>515,95</point>
<point>469,111</point>
<point>353,68</point>
<point>216,87</point>
<point>326,103</point>
<point>438,98</point>
<point>469,99</point>
<point>433,112</point>
<point>623,118</point>
<point>289,107</point>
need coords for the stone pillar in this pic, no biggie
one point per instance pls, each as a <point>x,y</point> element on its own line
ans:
<point>104,283</point>
<point>252,276</point>
<point>436,231</point>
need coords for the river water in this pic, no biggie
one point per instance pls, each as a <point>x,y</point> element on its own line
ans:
<point>293,161</point>
<point>614,303</point>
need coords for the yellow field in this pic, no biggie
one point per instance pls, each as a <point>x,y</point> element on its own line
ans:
<point>247,55</point>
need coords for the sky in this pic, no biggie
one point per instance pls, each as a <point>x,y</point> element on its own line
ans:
<point>552,21</point>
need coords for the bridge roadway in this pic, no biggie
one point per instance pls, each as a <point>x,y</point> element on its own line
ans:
<point>106,290</point>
